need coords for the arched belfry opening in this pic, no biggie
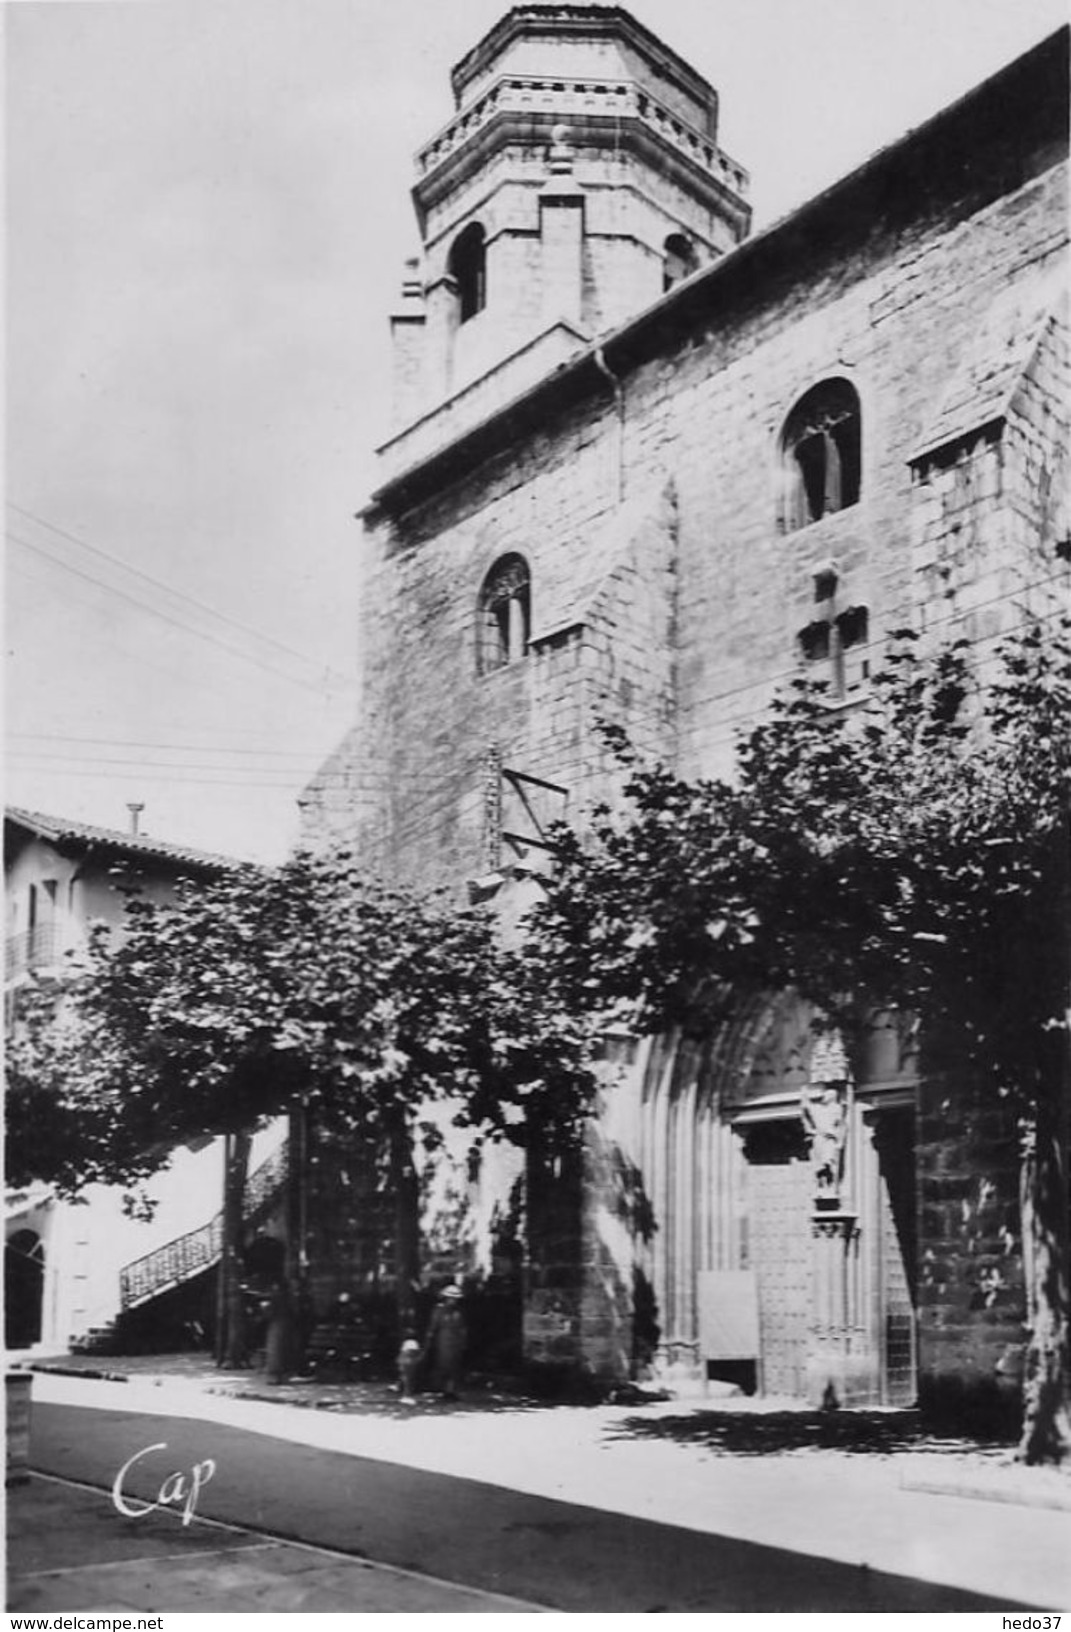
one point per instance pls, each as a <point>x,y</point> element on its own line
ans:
<point>679,260</point>
<point>468,268</point>
<point>588,150</point>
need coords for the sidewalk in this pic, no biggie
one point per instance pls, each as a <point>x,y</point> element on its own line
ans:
<point>156,1566</point>
<point>736,1468</point>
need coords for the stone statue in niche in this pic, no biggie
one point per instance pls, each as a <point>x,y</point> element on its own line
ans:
<point>824,1108</point>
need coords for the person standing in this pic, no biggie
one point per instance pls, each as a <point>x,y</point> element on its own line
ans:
<point>445,1342</point>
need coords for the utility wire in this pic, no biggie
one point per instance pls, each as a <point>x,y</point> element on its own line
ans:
<point>154,611</point>
<point>28,757</point>
<point>28,569</point>
<point>178,776</point>
<point>137,659</point>
<point>176,594</point>
<point>158,747</point>
<point>133,742</point>
<point>185,781</point>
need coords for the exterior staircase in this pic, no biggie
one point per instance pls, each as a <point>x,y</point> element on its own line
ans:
<point>190,1254</point>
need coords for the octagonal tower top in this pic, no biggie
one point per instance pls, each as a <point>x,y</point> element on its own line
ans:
<point>588,42</point>
<point>577,180</point>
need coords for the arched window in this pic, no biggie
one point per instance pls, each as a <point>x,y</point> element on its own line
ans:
<point>505,614</point>
<point>821,454</point>
<point>678,260</point>
<point>468,267</point>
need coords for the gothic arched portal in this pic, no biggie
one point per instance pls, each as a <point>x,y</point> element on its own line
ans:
<point>767,1267</point>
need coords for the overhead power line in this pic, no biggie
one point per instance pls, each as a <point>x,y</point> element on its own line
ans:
<point>332,678</point>
<point>28,757</point>
<point>264,737</point>
<point>168,589</point>
<point>155,611</point>
<point>140,776</point>
<point>157,747</point>
<point>110,638</point>
<point>252,776</point>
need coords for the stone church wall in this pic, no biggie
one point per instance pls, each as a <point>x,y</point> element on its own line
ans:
<point>970,1269</point>
<point>645,500</point>
<point>706,416</point>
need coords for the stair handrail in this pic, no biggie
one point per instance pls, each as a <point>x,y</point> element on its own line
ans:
<point>187,1255</point>
<point>263,1184</point>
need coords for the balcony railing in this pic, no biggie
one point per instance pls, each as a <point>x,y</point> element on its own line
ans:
<point>36,948</point>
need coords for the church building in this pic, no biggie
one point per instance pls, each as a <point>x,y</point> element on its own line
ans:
<point>646,467</point>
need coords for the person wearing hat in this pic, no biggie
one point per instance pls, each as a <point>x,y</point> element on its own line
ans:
<point>445,1342</point>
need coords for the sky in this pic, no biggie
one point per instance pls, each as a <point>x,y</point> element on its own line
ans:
<point>207,211</point>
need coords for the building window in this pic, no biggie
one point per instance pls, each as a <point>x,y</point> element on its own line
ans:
<point>505,614</point>
<point>820,454</point>
<point>468,268</point>
<point>678,260</point>
<point>37,946</point>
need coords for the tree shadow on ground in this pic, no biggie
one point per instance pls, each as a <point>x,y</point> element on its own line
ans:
<point>480,1394</point>
<point>772,1433</point>
<point>371,1399</point>
<point>358,1396</point>
<point>744,1430</point>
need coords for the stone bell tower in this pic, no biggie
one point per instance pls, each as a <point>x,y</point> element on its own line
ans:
<point>579,178</point>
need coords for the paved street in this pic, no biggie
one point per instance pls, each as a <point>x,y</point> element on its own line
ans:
<point>69,1550</point>
<point>486,1537</point>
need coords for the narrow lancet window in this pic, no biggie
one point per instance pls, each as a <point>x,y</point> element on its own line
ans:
<point>505,614</point>
<point>468,268</point>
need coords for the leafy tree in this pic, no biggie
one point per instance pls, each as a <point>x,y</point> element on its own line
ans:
<point>63,1121</point>
<point>912,853</point>
<point>262,993</point>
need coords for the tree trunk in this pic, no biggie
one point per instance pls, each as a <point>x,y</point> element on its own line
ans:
<point>297,1205</point>
<point>230,1328</point>
<point>1045,1200</point>
<point>405,1185</point>
<point>297,1200</point>
<point>1046,1433</point>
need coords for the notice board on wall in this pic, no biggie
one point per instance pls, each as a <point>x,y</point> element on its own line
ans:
<point>728,1314</point>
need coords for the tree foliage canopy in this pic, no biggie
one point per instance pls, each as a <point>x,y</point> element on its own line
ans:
<point>909,852</point>
<point>259,990</point>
